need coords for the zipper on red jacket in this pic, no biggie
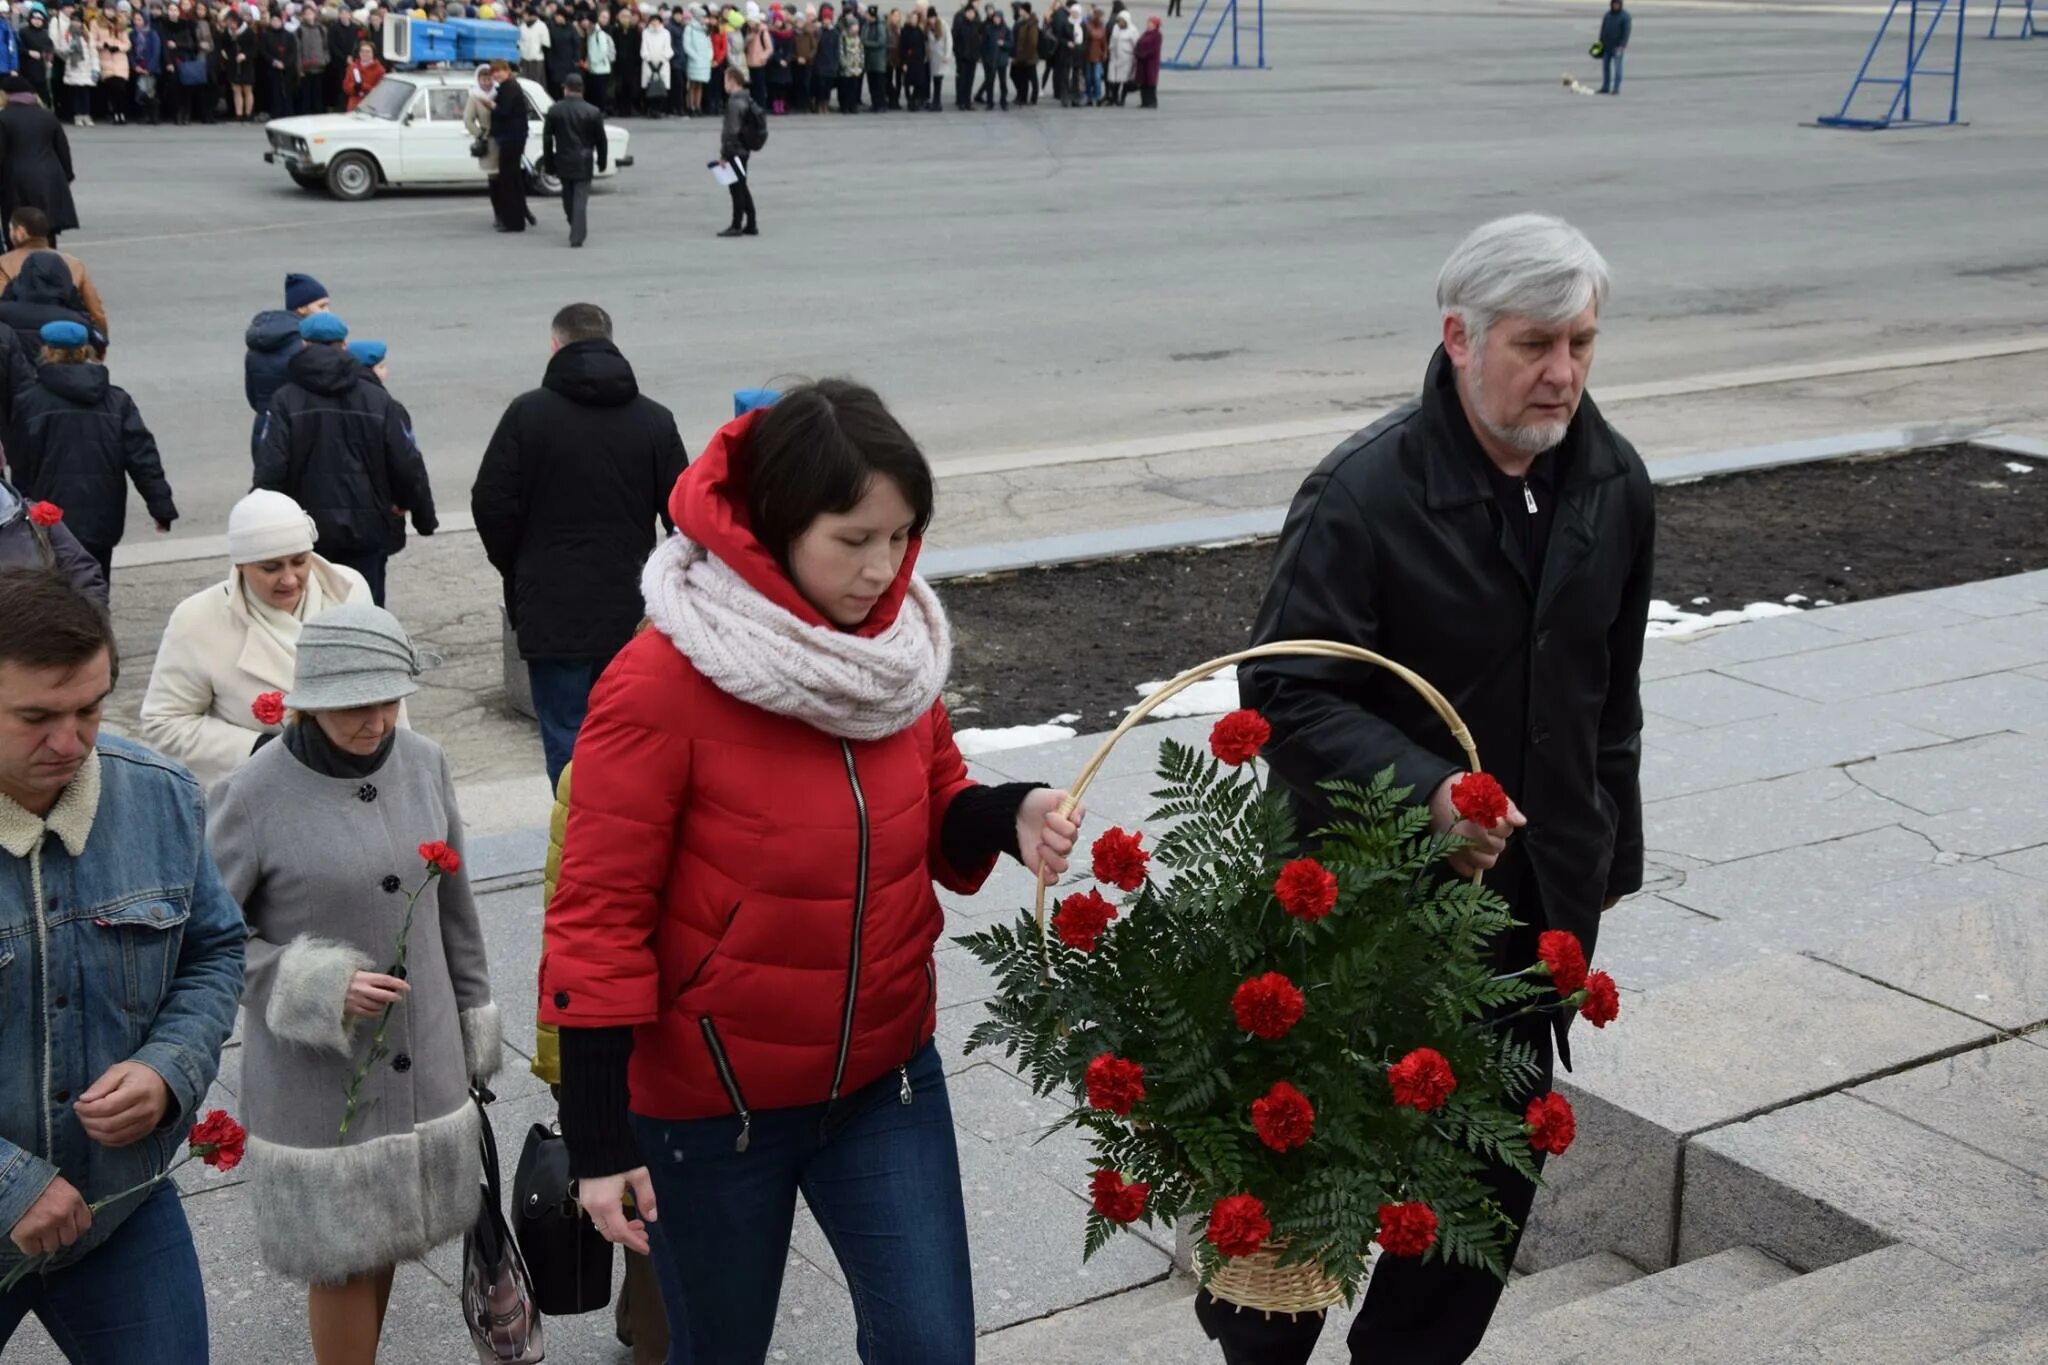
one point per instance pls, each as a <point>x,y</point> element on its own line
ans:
<point>931,998</point>
<point>728,1080</point>
<point>860,910</point>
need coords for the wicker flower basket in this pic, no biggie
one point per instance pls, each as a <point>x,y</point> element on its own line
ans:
<point>1258,1281</point>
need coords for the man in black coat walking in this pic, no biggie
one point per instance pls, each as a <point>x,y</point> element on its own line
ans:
<point>36,172</point>
<point>573,149</point>
<point>337,444</point>
<point>567,499</point>
<point>1495,536</point>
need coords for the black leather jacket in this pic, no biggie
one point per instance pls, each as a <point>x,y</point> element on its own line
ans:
<point>572,144</point>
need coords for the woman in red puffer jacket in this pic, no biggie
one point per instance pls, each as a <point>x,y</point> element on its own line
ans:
<point>740,947</point>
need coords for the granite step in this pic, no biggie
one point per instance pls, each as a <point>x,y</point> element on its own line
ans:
<point>1987,1313</point>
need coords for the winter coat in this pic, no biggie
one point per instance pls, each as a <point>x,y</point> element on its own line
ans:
<point>511,121</point>
<point>627,42</point>
<point>853,60</point>
<point>753,895</point>
<point>1096,35</point>
<point>312,49</point>
<point>913,45</point>
<point>320,909</point>
<point>760,49</point>
<point>36,172</point>
<point>238,55</point>
<point>533,40</point>
<point>476,121</point>
<point>803,46</point>
<point>966,39</point>
<point>272,341</point>
<point>781,57</point>
<point>10,50</point>
<point>38,56</point>
<point>1395,543</point>
<point>547,1046</point>
<point>113,45</point>
<point>87,294</point>
<point>213,662</point>
<point>42,293</point>
<point>599,51</point>
<point>81,59</point>
<point>737,105</point>
<point>572,140</point>
<point>1145,58</point>
<point>147,56</point>
<point>995,45</point>
<point>25,545</point>
<point>566,500</point>
<point>78,442</point>
<point>359,80</point>
<point>1615,27</point>
<point>340,447</point>
<point>874,41</point>
<point>274,45</point>
<point>1123,54</point>
<point>657,53</point>
<point>565,49</point>
<point>17,375</point>
<point>828,53</point>
<point>696,54</point>
<point>1024,43</point>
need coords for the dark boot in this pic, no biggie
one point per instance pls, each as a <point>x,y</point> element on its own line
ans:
<point>1250,1337</point>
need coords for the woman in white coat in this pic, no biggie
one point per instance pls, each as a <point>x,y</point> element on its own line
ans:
<point>228,644</point>
<point>657,54</point>
<point>1123,57</point>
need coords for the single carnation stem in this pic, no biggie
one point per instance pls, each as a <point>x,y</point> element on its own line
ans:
<point>377,1050</point>
<point>29,1263</point>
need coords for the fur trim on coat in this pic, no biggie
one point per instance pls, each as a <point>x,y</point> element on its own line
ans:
<point>311,991</point>
<point>325,1214</point>
<point>483,1042</point>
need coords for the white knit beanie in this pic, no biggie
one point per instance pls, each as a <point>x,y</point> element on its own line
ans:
<point>266,525</point>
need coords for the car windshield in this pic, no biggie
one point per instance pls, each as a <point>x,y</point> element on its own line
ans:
<point>388,101</point>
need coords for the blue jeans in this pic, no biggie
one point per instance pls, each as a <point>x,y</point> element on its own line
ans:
<point>561,694</point>
<point>883,1180</point>
<point>1095,82</point>
<point>1610,71</point>
<point>138,1300</point>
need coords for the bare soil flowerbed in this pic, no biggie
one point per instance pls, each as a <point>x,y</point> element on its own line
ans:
<point>1077,639</point>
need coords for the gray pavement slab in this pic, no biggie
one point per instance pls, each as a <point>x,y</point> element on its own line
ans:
<point>1984,958</point>
<point>1706,700</point>
<point>1953,777</point>
<point>1894,663</point>
<point>1768,747</point>
<point>1648,941</point>
<point>1979,1318</point>
<point>1790,896</point>
<point>1743,821</point>
<point>1993,1100</point>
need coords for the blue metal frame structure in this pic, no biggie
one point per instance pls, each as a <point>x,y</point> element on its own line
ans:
<point>2028,27</point>
<point>1226,16</point>
<point>1919,37</point>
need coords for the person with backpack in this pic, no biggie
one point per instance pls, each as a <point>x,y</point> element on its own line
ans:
<point>744,133</point>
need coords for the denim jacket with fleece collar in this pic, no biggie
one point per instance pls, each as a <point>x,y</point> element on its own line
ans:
<point>118,943</point>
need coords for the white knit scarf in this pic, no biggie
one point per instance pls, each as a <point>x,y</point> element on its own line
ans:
<point>849,686</point>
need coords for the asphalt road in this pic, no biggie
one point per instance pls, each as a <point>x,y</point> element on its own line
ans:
<point>1260,249</point>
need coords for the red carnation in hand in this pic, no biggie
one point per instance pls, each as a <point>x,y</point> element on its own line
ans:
<point>1284,1118</point>
<point>1603,1001</point>
<point>1239,736</point>
<point>1116,1201</point>
<point>1081,919</point>
<point>1564,959</point>
<point>1238,1225</point>
<point>1120,860</point>
<point>1406,1229</point>
<point>1551,1124</point>
<point>1478,798</point>
<point>1115,1084</point>
<point>268,708</point>
<point>45,513</point>
<point>441,858</point>
<point>1422,1080</point>
<point>1268,1006</point>
<point>218,1140</point>
<point>1306,889</point>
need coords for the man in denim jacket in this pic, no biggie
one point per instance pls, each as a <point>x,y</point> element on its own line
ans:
<point>120,970</point>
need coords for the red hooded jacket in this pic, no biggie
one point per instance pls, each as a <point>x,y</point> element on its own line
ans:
<point>752,894</point>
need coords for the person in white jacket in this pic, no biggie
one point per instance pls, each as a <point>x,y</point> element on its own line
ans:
<point>73,42</point>
<point>533,49</point>
<point>657,54</point>
<point>1123,57</point>
<point>229,644</point>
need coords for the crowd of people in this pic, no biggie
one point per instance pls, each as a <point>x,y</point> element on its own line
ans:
<point>208,61</point>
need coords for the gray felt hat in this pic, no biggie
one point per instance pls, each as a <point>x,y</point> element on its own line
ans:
<point>353,655</point>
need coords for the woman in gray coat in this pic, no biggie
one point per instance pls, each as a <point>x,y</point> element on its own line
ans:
<point>318,836</point>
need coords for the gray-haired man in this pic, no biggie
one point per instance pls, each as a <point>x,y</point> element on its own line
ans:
<point>1495,536</point>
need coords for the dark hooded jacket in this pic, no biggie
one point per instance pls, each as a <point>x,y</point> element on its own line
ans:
<point>272,339</point>
<point>37,170</point>
<point>566,502</point>
<point>23,544</point>
<point>338,445</point>
<point>43,292</point>
<point>79,440</point>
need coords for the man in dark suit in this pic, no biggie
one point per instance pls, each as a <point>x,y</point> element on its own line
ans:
<point>1495,536</point>
<point>573,150</point>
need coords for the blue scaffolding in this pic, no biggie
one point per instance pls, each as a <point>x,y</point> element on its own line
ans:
<point>1923,18</point>
<point>2028,28</point>
<point>1227,16</point>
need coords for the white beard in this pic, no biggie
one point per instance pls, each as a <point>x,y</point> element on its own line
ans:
<point>1530,440</point>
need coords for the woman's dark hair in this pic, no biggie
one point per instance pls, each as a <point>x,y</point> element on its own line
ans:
<point>817,451</point>
<point>47,623</point>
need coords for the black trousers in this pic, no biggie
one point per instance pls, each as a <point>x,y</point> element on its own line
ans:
<point>742,192</point>
<point>878,89</point>
<point>964,96</point>
<point>993,86</point>
<point>938,88</point>
<point>369,563</point>
<point>849,94</point>
<point>508,187</point>
<point>576,208</point>
<point>597,89</point>
<point>1024,75</point>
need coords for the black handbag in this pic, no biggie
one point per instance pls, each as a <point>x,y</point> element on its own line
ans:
<point>498,1303</point>
<point>570,1260</point>
<point>480,147</point>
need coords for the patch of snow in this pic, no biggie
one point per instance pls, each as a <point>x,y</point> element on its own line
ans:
<point>1795,598</point>
<point>1210,697</point>
<point>1068,719</point>
<point>973,742</point>
<point>1666,619</point>
<point>2015,467</point>
<point>1701,601</point>
<point>1824,602</point>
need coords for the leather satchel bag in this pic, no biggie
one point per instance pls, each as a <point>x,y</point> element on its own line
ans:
<point>569,1258</point>
<point>497,1292</point>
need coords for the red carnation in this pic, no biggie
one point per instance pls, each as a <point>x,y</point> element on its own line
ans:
<point>1116,1201</point>
<point>268,708</point>
<point>1238,1225</point>
<point>1406,1229</point>
<point>218,1140</point>
<point>1120,860</point>
<point>1422,1080</point>
<point>1081,919</point>
<point>1603,1001</point>
<point>1268,1006</point>
<point>1564,959</point>
<point>1284,1118</point>
<point>441,858</point>
<point>45,513</point>
<point>1239,736</point>
<point>1306,889</point>
<point>1478,798</point>
<point>1551,1124</point>
<point>1115,1084</point>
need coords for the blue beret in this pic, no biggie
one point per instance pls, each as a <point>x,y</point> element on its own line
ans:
<point>323,327</point>
<point>368,352</point>
<point>65,334</point>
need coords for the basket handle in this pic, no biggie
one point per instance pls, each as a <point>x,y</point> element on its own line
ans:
<point>1322,649</point>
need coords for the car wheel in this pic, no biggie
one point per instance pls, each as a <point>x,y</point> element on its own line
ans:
<point>544,185</point>
<point>307,180</point>
<point>352,177</point>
